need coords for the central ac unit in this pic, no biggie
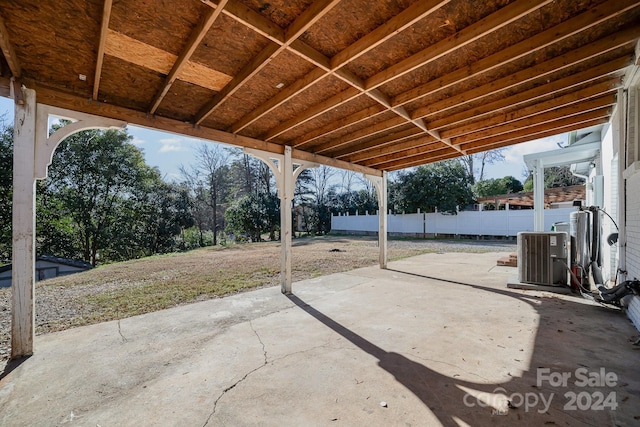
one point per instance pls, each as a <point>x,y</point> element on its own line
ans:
<point>542,258</point>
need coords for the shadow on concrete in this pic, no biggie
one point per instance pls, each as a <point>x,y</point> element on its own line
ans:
<point>521,400</point>
<point>11,365</point>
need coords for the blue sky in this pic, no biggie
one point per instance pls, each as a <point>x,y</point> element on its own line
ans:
<point>169,151</point>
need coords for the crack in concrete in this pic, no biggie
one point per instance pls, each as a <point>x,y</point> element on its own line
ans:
<point>124,339</point>
<point>232,386</point>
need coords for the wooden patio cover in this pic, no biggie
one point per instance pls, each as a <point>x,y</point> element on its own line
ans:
<point>367,85</point>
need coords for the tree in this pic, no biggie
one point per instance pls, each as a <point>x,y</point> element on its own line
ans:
<point>208,180</point>
<point>494,187</point>
<point>443,186</point>
<point>252,215</point>
<point>6,189</point>
<point>470,163</point>
<point>93,181</point>
<point>556,176</point>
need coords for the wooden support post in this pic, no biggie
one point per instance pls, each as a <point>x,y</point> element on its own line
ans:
<point>380,184</point>
<point>285,179</point>
<point>538,196</point>
<point>24,222</point>
<point>286,223</point>
<point>33,149</point>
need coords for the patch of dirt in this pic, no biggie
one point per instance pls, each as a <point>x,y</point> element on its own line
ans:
<point>140,286</point>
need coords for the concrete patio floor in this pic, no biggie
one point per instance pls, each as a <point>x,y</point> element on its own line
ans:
<point>436,339</point>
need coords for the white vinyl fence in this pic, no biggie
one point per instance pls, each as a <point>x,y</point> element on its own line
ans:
<point>505,223</point>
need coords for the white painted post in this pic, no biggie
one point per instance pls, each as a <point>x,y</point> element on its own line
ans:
<point>24,222</point>
<point>380,184</point>
<point>286,221</point>
<point>382,229</point>
<point>538,195</point>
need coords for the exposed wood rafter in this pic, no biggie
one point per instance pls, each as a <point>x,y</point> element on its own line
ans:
<point>316,11</point>
<point>9,52</point>
<point>194,40</point>
<point>104,29</point>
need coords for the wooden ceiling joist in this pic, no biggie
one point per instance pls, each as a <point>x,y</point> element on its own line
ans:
<point>536,72</point>
<point>562,31</point>
<point>344,123</point>
<point>397,147</point>
<point>551,132</point>
<point>365,148</point>
<point>612,67</point>
<point>299,26</point>
<point>353,137</point>
<point>379,85</point>
<point>488,25</point>
<point>420,159</point>
<point>586,20</point>
<point>104,28</point>
<point>379,35</point>
<point>504,16</point>
<point>601,88</point>
<point>537,119</point>
<point>436,148</point>
<point>532,132</point>
<point>192,44</point>
<point>8,51</point>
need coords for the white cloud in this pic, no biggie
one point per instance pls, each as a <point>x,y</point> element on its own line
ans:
<point>137,141</point>
<point>171,145</point>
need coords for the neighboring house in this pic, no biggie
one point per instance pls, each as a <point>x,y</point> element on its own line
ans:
<point>561,197</point>
<point>47,267</point>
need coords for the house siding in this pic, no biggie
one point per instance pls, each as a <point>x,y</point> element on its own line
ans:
<point>633,241</point>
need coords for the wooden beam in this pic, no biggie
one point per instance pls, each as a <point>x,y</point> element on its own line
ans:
<point>139,53</point>
<point>392,27</point>
<point>308,17</point>
<point>502,117</point>
<point>283,96</point>
<point>549,129</point>
<point>473,32</point>
<point>196,37</point>
<point>382,33</point>
<point>393,138</point>
<point>5,87</point>
<point>424,144</point>
<point>556,86</point>
<point>104,29</point>
<point>538,119</point>
<point>532,131</point>
<point>562,31</point>
<point>251,19</point>
<point>72,102</point>
<point>419,159</point>
<point>588,19</point>
<point>369,131</point>
<point>9,52</point>
<point>393,148</point>
<point>250,69</point>
<point>400,165</point>
<point>552,132</point>
<point>313,112</point>
<point>305,20</point>
<point>353,119</point>
<point>329,161</point>
<point>309,54</point>
<point>434,150</point>
<point>537,72</point>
